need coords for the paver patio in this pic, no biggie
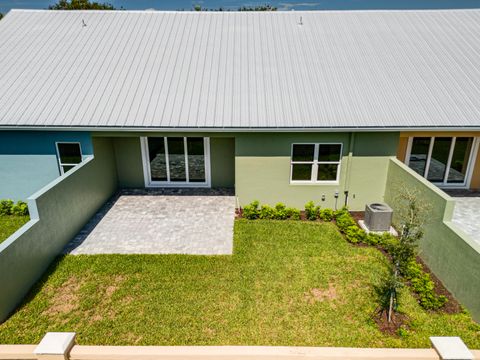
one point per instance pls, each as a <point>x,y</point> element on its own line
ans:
<point>171,221</point>
<point>467,212</point>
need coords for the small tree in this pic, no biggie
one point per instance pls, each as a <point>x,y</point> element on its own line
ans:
<point>411,215</point>
<point>80,5</point>
<point>387,293</point>
<point>1,16</point>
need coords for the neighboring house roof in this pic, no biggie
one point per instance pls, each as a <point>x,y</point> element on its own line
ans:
<point>240,70</point>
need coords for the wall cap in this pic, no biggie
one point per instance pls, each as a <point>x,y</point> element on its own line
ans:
<point>55,343</point>
<point>451,348</point>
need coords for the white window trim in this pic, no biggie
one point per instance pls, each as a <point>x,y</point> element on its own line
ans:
<point>149,183</point>
<point>471,161</point>
<point>59,160</point>
<point>313,180</point>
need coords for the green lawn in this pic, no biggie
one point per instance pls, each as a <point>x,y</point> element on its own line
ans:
<point>288,283</point>
<point>9,224</point>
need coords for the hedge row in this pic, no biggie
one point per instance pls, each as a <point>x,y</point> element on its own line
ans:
<point>8,207</point>
<point>420,281</point>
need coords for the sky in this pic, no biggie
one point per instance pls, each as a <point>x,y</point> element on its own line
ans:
<point>6,5</point>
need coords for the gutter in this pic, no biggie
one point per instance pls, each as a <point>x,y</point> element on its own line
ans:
<point>236,129</point>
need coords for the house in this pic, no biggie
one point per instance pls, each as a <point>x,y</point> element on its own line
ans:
<point>280,106</point>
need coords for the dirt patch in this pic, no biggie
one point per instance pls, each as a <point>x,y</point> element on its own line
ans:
<point>132,338</point>
<point>65,298</point>
<point>320,295</point>
<point>398,321</point>
<point>104,309</point>
<point>209,332</point>
<point>113,286</point>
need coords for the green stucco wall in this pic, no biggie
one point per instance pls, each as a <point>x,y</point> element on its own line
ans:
<point>128,157</point>
<point>222,162</point>
<point>58,212</point>
<point>262,168</point>
<point>258,165</point>
<point>450,253</point>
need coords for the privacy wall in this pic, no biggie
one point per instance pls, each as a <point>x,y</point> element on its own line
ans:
<point>450,253</point>
<point>58,212</point>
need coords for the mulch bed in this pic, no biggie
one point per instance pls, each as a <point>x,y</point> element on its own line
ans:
<point>452,306</point>
<point>398,320</point>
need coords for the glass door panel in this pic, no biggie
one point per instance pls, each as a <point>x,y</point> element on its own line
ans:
<point>439,159</point>
<point>158,162</point>
<point>460,158</point>
<point>196,159</point>
<point>419,154</point>
<point>176,159</point>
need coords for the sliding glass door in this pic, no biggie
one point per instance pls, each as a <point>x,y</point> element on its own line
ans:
<point>444,161</point>
<point>176,161</point>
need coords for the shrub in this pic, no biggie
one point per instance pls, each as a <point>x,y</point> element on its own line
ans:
<point>344,221</point>
<point>280,212</point>
<point>251,211</point>
<point>326,214</point>
<point>20,209</point>
<point>311,211</point>
<point>412,270</point>
<point>293,213</point>
<point>266,212</point>
<point>339,213</point>
<point>424,287</point>
<point>355,235</point>
<point>6,207</point>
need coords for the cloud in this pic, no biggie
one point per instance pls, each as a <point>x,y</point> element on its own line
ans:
<point>291,6</point>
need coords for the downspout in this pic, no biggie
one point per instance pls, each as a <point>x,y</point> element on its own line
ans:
<point>349,166</point>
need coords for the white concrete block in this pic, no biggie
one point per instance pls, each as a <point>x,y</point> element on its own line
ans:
<point>451,348</point>
<point>55,343</point>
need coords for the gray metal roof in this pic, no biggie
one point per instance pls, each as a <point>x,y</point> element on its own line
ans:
<point>237,70</point>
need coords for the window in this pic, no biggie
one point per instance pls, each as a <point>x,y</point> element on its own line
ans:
<point>69,155</point>
<point>176,161</point>
<point>315,163</point>
<point>442,160</point>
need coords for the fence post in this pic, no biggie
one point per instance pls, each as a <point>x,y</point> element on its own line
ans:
<point>55,346</point>
<point>451,348</point>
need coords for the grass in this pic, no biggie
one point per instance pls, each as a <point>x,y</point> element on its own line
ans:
<point>288,283</point>
<point>9,224</point>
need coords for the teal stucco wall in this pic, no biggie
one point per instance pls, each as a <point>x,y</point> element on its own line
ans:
<point>28,160</point>
<point>58,212</point>
<point>450,253</point>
